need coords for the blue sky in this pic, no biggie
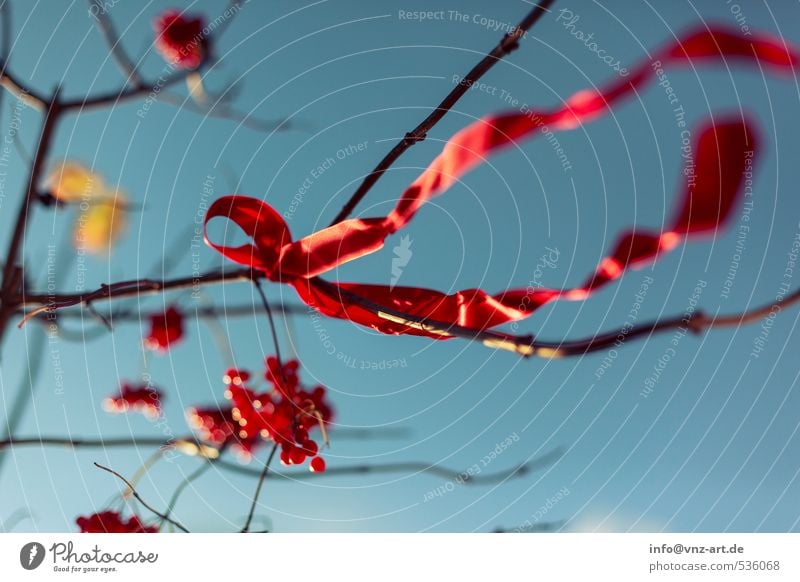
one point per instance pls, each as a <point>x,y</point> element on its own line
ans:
<point>710,448</point>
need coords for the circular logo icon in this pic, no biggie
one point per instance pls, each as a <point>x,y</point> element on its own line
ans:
<point>31,555</point>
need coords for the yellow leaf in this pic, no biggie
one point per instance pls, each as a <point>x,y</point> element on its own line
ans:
<point>71,181</point>
<point>101,223</point>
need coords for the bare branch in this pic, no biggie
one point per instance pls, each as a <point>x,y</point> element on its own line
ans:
<point>187,443</point>
<point>463,476</point>
<point>182,444</point>
<point>130,288</point>
<point>204,312</point>
<point>140,500</point>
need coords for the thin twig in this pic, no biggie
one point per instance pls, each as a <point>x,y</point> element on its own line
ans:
<point>140,500</point>
<point>464,477</point>
<point>272,327</point>
<point>507,45</point>
<point>265,470</point>
<point>262,476</point>
<point>109,34</point>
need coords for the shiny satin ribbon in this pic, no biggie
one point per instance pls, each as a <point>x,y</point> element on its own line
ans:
<point>720,157</point>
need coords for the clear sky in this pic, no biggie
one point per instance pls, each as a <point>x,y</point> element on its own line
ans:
<point>712,446</point>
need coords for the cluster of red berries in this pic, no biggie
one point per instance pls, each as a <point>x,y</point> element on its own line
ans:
<point>285,415</point>
<point>144,398</point>
<point>112,522</point>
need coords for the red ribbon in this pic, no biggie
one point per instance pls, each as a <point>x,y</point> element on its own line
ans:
<point>721,154</point>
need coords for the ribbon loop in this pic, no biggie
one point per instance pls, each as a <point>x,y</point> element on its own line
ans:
<point>260,222</point>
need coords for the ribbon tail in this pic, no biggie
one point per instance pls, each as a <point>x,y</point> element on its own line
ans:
<point>723,152</point>
<point>472,145</point>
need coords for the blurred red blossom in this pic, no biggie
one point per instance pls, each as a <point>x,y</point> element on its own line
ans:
<point>144,398</point>
<point>165,330</point>
<point>179,39</point>
<point>112,522</point>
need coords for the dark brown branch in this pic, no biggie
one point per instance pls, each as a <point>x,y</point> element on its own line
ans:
<point>140,500</point>
<point>12,270</point>
<point>527,346</point>
<point>185,441</point>
<point>126,93</point>
<point>48,127</point>
<point>506,46</point>
<point>131,288</point>
<point>206,311</point>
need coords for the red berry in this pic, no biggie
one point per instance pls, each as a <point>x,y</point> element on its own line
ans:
<point>298,457</point>
<point>310,448</point>
<point>317,465</point>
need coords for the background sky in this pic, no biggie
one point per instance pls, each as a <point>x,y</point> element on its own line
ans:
<point>713,447</point>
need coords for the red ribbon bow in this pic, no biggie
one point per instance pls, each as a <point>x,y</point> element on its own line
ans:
<point>721,154</point>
